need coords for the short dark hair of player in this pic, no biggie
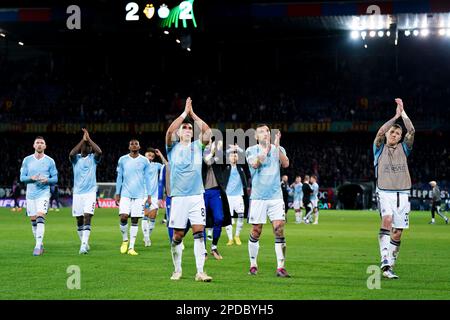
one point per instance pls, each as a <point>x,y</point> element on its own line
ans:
<point>134,140</point>
<point>39,138</point>
<point>188,121</point>
<point>298,176</point>
<point>314,176</point>
<point>397,126</point>
<point>152,150</point>
<point>306,177</point>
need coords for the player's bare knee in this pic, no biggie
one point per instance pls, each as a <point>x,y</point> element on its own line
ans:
<point>386,222</point>
<point>87,218</point>
<point>134,220</point>
<point>80,220</point>
<point>178,235</point>
<point>197,228</point>
<point>278,229</point>
<point>256,231</point>
<point>152,214</point>
<point>396,234</point>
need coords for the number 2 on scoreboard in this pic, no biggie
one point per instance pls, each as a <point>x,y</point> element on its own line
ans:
<point>185,10</point>
<point>132,8</point>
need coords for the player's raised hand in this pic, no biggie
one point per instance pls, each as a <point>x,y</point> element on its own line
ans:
<point>188,106</point>
<point>277,139</point>
<point>399,110</point>
<point>213,147</point>
<point>85,135</point>
<point>158,153</point>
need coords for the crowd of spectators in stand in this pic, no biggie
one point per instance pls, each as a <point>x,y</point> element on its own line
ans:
<point>356,89</point>
<point>334,158</point>
<point>43,90</point>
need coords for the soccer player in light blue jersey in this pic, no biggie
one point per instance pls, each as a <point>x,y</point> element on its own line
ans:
<point>298,198</point>
<point>84,158</point>
<point>266,199</point>
<point>236,187</point>
<point>150,211</point>
<point>185,176</point>
<point>315,198</point>
<point>38,172</point>
<point>133,190</point>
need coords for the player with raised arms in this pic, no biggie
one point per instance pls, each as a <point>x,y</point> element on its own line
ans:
<point>393,185</point>
<point>84,157</point>
<point>185,177</point>
<point>266,199</point>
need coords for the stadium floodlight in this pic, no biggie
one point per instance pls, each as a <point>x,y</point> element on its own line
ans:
<point>424,32</point>
<point>372,34</point>
<point>354,34</point>
<point>381,33</point>
<point>166,32</point>
<point>21,43</point>
<point>178,41</point>
<point>188,49</point>
<point>425,22</point>
<point>416,33</point>
<point>441,32</point>
<point>365,45</point>
<point>2,35</point>
<point>363,34</point>
<point>407,33</point>
<point>388,33</point>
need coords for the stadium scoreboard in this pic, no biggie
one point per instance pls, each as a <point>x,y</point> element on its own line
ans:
<point>173,14</point>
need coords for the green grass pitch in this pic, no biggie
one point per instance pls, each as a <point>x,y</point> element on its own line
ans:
<point>326,261</point>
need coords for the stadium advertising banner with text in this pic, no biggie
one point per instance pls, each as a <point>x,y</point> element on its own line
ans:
<point>336,126</point>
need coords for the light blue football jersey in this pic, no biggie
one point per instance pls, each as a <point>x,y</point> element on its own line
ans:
<point>185,165</point>
<point>234,186</point>
<point>155,168</point>
<point>265,179</point>
<point>298,192</point>
<point>44,167</point>
<point>315,193</point>
<point>84,174</point>
<point>133,177</point>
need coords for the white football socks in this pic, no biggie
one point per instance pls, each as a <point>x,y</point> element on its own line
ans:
<point>133,233</point>
<point>253,248</point>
